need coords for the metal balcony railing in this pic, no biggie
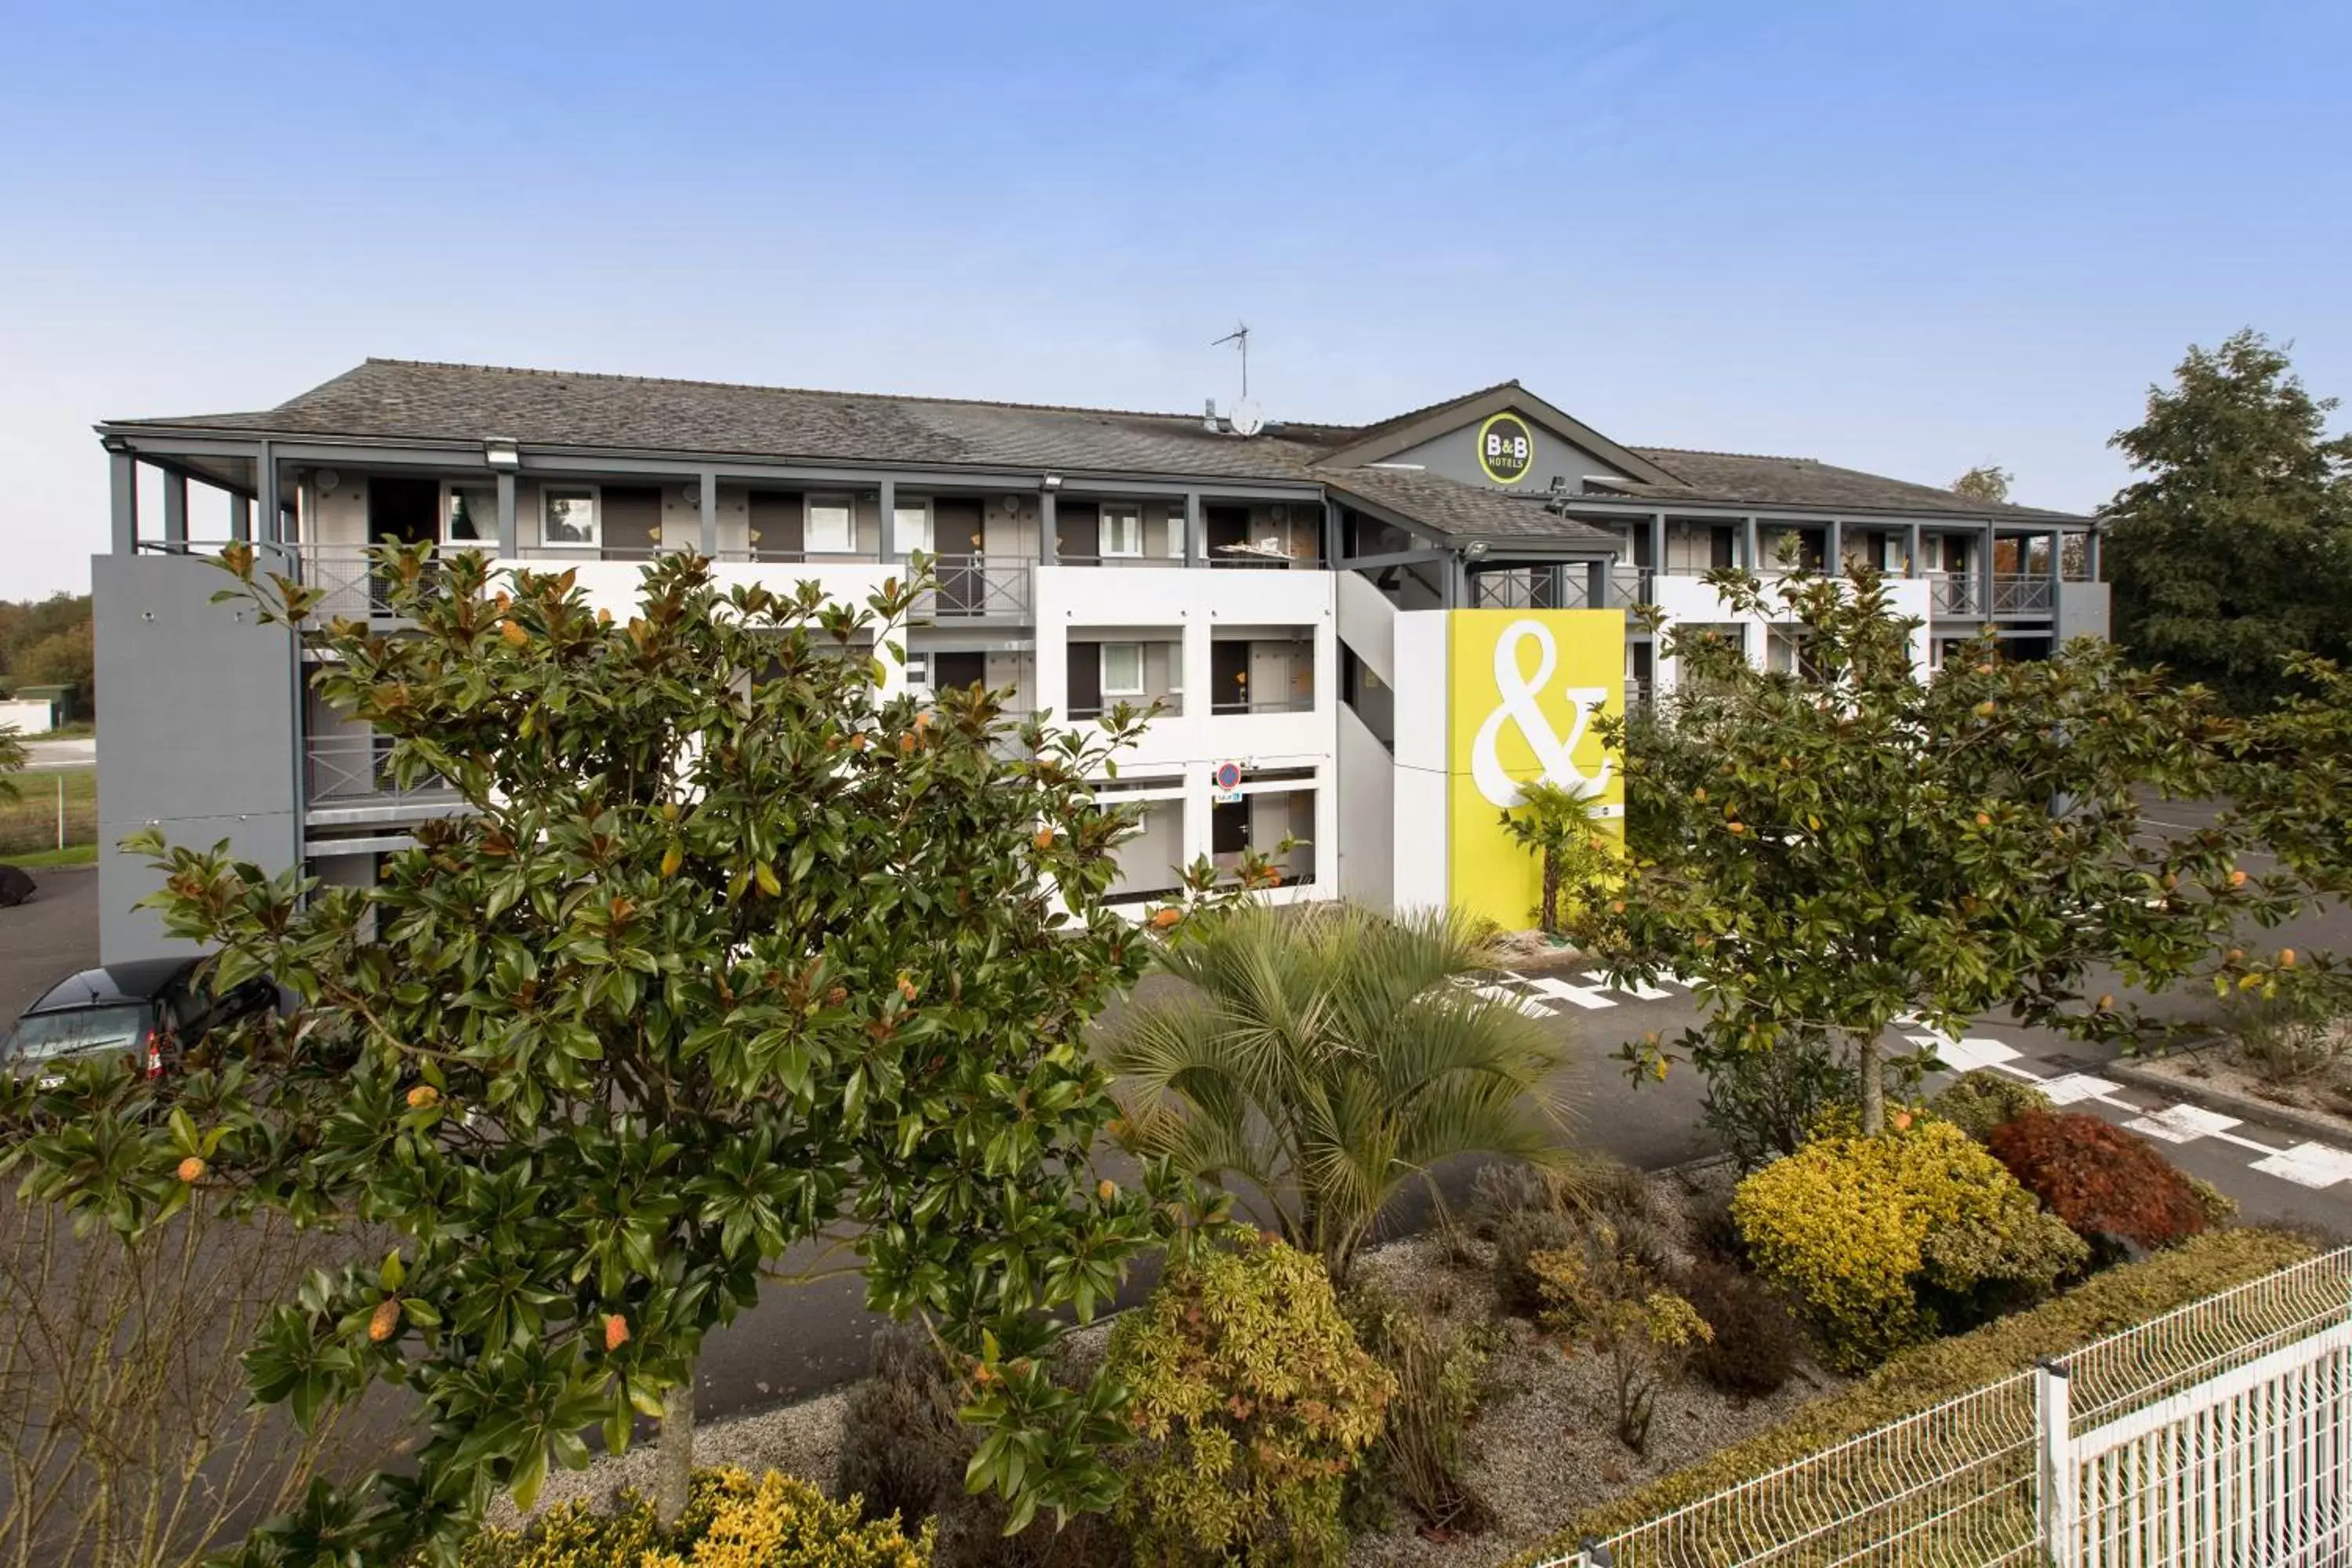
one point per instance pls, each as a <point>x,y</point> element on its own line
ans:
<point>1532,588</point>
<point>2020,594</point>
<point>1235,705</point>
<point>355,769</point>
<point>972,588</point>
<point>1953,594</point>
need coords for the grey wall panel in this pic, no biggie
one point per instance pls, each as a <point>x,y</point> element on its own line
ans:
<point>200,730</point>
<point>1454,455</point>
<point>1367,784</point>
<point>2082,610</point>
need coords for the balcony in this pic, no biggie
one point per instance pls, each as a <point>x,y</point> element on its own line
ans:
<point>347,777</point>
<point>2015,596</point>
<point>974,587</point>
<point>2021,596</point>
<point>1953,594</point>
<point>1567,587</point>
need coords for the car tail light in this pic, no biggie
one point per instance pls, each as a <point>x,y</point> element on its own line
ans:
<point>154,1053</point>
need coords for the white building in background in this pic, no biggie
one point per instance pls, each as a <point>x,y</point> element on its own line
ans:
<point>1303,597</point>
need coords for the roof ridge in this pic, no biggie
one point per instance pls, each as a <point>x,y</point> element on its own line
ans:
<point>811,390</point>
<point>1712,452</point>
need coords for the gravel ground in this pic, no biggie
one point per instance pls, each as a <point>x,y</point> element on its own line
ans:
<point>1542,1448</point>
<point>2326,1094</point>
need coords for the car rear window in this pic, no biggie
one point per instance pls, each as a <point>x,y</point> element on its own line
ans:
<point>41,1035</point>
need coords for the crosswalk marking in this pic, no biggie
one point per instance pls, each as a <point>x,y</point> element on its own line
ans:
<point>1592,998</point>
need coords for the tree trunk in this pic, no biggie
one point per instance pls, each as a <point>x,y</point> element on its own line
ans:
<point>1874,1086</point>
<point>1551,893</point>
<point>674,1464</point>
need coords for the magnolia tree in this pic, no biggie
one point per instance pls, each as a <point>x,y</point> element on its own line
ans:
<point>1835,852</point>
<point>727,954</point>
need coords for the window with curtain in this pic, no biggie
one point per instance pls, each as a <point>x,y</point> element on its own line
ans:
<point>832,526</point>
<point>911,525</point>
<point>1122,530</point>
<point>567,515</point>
<point>1122,669</point>
<point>469,515</point>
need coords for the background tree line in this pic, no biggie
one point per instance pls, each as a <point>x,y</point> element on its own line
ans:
<point>47,642</point>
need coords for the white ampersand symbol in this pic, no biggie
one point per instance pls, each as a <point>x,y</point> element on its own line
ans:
<point>1521,706</point>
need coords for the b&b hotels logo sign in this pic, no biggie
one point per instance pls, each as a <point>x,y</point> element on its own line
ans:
<point>1525,689</point>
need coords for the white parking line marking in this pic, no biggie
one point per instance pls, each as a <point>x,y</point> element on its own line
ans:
<point>2080,1086</point>
<point>1590,998</point>
<point>2308,1166</point>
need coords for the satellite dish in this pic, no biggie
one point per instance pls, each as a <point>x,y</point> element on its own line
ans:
<point>1248,417</point>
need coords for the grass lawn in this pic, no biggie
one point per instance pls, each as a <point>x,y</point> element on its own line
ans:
<point>29,822</point>
<point>46,859</point>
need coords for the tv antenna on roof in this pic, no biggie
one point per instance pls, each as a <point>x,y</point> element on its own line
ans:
<point>1247,417</point>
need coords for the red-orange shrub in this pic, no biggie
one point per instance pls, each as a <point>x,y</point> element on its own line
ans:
<point>2104,1183</point>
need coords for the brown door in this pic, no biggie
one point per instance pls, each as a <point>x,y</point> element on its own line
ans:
<point>1086,680</point>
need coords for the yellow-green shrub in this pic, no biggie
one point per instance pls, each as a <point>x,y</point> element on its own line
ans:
<point>2108,1302</point>
<point>1880,1239</point>
<point>730,1521</point>
<point>1252,1402</point>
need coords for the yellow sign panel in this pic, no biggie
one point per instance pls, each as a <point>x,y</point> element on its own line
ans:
<point>1525,687</point>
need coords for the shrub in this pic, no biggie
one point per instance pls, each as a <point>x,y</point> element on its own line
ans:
<point>730,1521</point>
<point>1885,1241</point>
<point>1253,1402</point>
<point>1598,1295</point>
<point>1977,1101</point>
<point>1755,1342</point>
<point>902,1448</point>
<point>2108,1302</point>
<point>2106,1182</point>
<point>1763,1104</point>
<point>1438,1369</point>
<point>1518,1238</point>
<point>2287,1030</point>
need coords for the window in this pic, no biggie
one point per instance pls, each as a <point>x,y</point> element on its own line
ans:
<point>831,528</point>
<point>1177,541</point>
<point>911,525</point>
<point>1122,531</point>
<point>567,515</point>
<point>1122,669</point>
<point>469,515</point>
<point>1176,670</point>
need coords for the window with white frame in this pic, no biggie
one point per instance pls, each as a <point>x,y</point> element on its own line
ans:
<point>910,526</point>
<point>567,515</point>
<point>1176,670</point>
<point>1122,669</point>
<point>470,514</point>
<point>1122,530</point>
<point>832,526</point>
<point>1177,526</point>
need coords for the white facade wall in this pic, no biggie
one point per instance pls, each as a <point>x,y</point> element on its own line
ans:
<point>1689,599</point>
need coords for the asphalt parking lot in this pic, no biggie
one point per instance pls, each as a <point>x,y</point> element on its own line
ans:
<point>48,937</point>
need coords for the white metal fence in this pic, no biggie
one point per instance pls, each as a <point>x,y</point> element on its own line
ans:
<point>2220,1433</point>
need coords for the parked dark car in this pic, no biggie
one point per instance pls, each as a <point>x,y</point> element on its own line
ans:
<point>151,1011</point>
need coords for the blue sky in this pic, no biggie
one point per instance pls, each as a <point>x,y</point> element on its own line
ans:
<point>1906,237</point>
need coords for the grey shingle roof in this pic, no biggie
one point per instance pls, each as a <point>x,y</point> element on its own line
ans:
<point>1464,512</point>
<point>406,400</point>
<point>1803,484</point>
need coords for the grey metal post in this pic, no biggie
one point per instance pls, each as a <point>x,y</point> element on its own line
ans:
<point>888,495</point>
<point>1984,573</point>
<point>122,474</point>
<point>175,509</point>
<point>1751,543</point>
<point>240,517</point>
<point>1596,584</point>
<point>1049,522</point>
<point>272,520</point>
<point>1657,547</point>
<point>1332,531</point>
<point>1911,550</point>
<point>709,514</point>
<point>2091,555</point>
<point>2057,566</point>
<point>1196,530</point>
<point>2057,1505</point>
<point>1833,547</point>
<point>510,532</point>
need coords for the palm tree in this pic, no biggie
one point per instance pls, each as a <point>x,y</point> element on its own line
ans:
<point>1563,825</point>
<point>1325,1055</point>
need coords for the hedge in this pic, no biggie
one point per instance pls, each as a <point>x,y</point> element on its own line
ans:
<point>2109,1301</point>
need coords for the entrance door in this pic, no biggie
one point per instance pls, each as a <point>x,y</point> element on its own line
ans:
<point>1226,525</point>
<point>406,511</point>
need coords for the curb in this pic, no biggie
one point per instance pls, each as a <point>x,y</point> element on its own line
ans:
<point>2326,1128</point>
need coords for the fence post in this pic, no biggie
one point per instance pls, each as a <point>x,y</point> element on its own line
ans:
<point>62,811</point>
<point>2057,1512</point>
